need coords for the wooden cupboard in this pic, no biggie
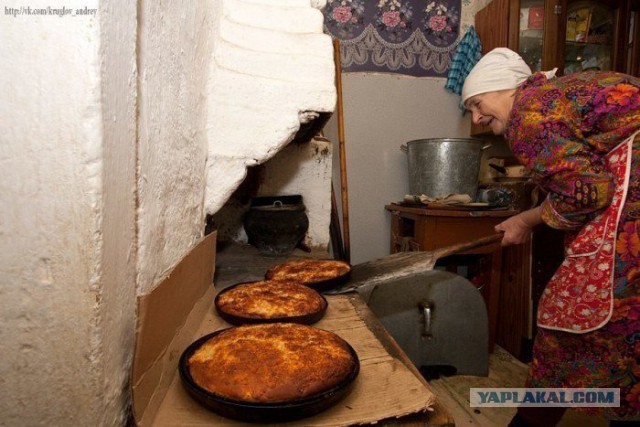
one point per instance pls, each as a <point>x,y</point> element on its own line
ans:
<point>545,32</point>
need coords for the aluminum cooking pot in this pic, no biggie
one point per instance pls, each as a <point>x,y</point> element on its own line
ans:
<point>442,166</point>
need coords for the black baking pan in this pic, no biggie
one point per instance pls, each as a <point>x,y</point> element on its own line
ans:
<point>328,284</point>
<point>321,285</point>
<point>263,412</point>
<point>307,319</point>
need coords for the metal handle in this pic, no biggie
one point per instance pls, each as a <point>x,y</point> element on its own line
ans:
<point>404,148</point>
<point>484,147</point>
<point>426,309</point>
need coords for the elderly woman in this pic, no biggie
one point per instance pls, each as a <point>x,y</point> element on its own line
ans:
<point>579,136</point>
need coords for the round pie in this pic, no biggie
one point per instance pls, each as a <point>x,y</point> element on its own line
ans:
<point>270,301</point>
<point>269,363</point>
<point>311,272</point>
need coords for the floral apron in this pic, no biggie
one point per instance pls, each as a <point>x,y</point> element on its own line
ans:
<point>579,296</point>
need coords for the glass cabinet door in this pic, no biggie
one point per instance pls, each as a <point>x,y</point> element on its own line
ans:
<point>589,37</point>
<point>531,31</point>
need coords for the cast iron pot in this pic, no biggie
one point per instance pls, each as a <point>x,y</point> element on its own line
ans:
<point>275,225</point>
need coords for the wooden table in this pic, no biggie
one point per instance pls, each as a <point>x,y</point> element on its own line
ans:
<point>421,228</point>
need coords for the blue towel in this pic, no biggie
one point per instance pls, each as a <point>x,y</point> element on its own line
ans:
<point>467,54</point>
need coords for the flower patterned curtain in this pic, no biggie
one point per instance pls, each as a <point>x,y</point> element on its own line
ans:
<point>414,37</point>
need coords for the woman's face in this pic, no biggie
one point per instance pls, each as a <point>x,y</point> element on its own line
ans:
<point>491,109</point>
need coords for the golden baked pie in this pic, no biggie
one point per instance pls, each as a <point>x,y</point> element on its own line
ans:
<point>270,300</point>
<point>309,271</point>
<point>269,363</point>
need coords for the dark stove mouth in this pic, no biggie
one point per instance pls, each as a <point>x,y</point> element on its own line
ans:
<point>433,372</point>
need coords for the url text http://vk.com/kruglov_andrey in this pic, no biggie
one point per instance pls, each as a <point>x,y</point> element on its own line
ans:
<point>59,11</point>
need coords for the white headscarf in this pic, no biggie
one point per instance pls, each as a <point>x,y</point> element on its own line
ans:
<point>499,69</point>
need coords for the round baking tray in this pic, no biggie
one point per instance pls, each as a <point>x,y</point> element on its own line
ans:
<point>264,412</point>
<point>321,285</point>
<point>306,319</point>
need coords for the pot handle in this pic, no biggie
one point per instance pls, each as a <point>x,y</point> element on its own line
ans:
<point>485,147</point>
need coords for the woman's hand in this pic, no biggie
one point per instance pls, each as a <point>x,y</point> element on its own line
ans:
<point>517,229</point>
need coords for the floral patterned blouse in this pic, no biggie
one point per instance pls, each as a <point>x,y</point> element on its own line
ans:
<point>561,129</point>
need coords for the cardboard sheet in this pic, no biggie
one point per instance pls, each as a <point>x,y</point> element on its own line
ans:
<point>385,387</point>
<point>167,317</point>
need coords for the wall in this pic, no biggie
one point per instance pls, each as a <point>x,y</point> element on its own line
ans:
<point>381,112</point>
<point>115,302</point>
<point>175,44</point>
<point>272,70</point>
<point>299,168</point>
<point>67,226</point>
<point>237,79</point>
<point>304,169</point>
<point>107,140</point>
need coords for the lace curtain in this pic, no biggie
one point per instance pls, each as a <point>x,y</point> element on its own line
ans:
<point>412,37</point>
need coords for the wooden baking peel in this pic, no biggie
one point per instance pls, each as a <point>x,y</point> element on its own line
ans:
<point>404,264</point>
